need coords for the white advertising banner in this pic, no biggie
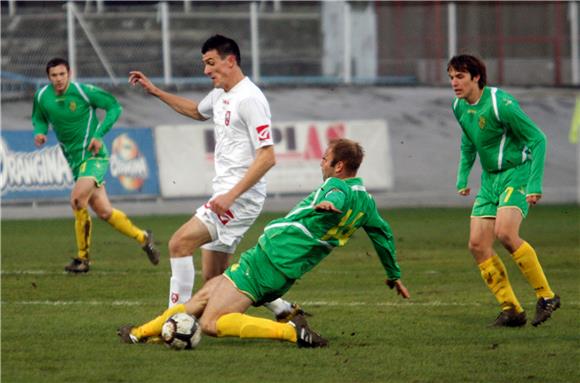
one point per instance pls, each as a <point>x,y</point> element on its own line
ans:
<point>185,156</point>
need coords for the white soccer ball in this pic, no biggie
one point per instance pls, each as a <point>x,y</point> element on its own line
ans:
<point>181,332</point>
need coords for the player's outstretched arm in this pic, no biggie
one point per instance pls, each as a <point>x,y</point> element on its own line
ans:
<point>180,104</point>
<point>400,287</point>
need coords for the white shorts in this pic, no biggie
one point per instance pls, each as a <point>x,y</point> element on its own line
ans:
<point>227,231</point>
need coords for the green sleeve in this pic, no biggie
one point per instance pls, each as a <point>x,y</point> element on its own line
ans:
<point>384,243</point>
<point>335,196</point>
<point>526,130</point>
<point>466,160</point>
<point>39,121</point>
<point>101,99</point>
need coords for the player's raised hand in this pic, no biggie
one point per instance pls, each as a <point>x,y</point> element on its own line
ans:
<point>326,206</point>
<point>95,146</point>
<point>39,140</point>
<point>138,78</point>
<point>464,192</point>
<point>401,289</point>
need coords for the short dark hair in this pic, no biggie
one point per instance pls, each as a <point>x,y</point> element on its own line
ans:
<point>471,64</point>
<point>348,151</point>
<point>56,62</point>
<point>223,45</point>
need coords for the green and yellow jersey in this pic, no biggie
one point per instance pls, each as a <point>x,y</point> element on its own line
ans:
<point>73,118</point>
<point>304,237</point>
<point>499,131</point>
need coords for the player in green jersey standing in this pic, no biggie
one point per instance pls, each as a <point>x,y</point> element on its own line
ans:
<point>289,247</point>
<point>70,108</point>
<point>512,151</point>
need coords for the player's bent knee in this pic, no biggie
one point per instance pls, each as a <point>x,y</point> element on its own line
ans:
<point>77,204</point>
<point>175,247</point>
<point>103,214</point>
<point>475,246</point>
<point>506,238</point>
<point>208,326</point>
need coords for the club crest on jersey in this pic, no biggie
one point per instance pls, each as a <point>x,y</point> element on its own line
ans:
<point>228,114</point>
<point>482,122</point>
<point>72,106</point>
<point>263,132</point>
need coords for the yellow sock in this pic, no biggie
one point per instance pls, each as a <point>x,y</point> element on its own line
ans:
<point>122,223</point>
<point>495,276</point>
<point>153,327</point>
<point>83,228</point>
<point>527,260</point>
<point>246,326</point>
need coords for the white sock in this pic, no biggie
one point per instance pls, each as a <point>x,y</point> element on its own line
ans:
<point>278,306</point>
<point>182,279</point>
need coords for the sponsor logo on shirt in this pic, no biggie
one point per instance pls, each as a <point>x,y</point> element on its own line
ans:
<point>263,133</point>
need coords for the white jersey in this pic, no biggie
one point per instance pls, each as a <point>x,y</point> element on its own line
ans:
<point>242,122</point>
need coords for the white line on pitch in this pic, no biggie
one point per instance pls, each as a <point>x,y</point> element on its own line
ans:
<point>305,303</point>
<point>55,272</point>
<point>197,272</point>
<point>70,303</point>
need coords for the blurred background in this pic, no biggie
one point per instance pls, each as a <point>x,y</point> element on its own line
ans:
<point>331,66</point>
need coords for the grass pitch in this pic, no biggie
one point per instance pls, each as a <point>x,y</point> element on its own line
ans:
<point>61,328</point>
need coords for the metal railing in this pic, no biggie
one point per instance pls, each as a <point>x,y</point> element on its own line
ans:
<point>337,42</point>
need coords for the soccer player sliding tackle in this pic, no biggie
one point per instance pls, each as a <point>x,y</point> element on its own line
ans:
<point>289,247</point>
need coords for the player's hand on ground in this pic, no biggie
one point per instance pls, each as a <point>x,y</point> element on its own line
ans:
<point>221,204</point>
<point>326,206</point>
<point>95,146</point>
<point>136,77</point>
<point>464,192</point>
<point>533,199</point>
<point>39,140</point>
<point>400,287</point>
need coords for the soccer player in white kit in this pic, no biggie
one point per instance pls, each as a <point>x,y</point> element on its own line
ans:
<point>244,152</point>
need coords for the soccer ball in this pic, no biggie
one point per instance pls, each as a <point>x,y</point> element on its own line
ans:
<point>181,332</point>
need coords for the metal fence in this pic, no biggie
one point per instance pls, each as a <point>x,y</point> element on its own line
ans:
<point>329,42</point>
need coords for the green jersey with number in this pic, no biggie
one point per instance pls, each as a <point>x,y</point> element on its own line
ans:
<point>499,131</point>
<point>304,237</point>
<point>73,118</point>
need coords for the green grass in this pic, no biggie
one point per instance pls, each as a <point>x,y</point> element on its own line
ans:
<point>61,328</point>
